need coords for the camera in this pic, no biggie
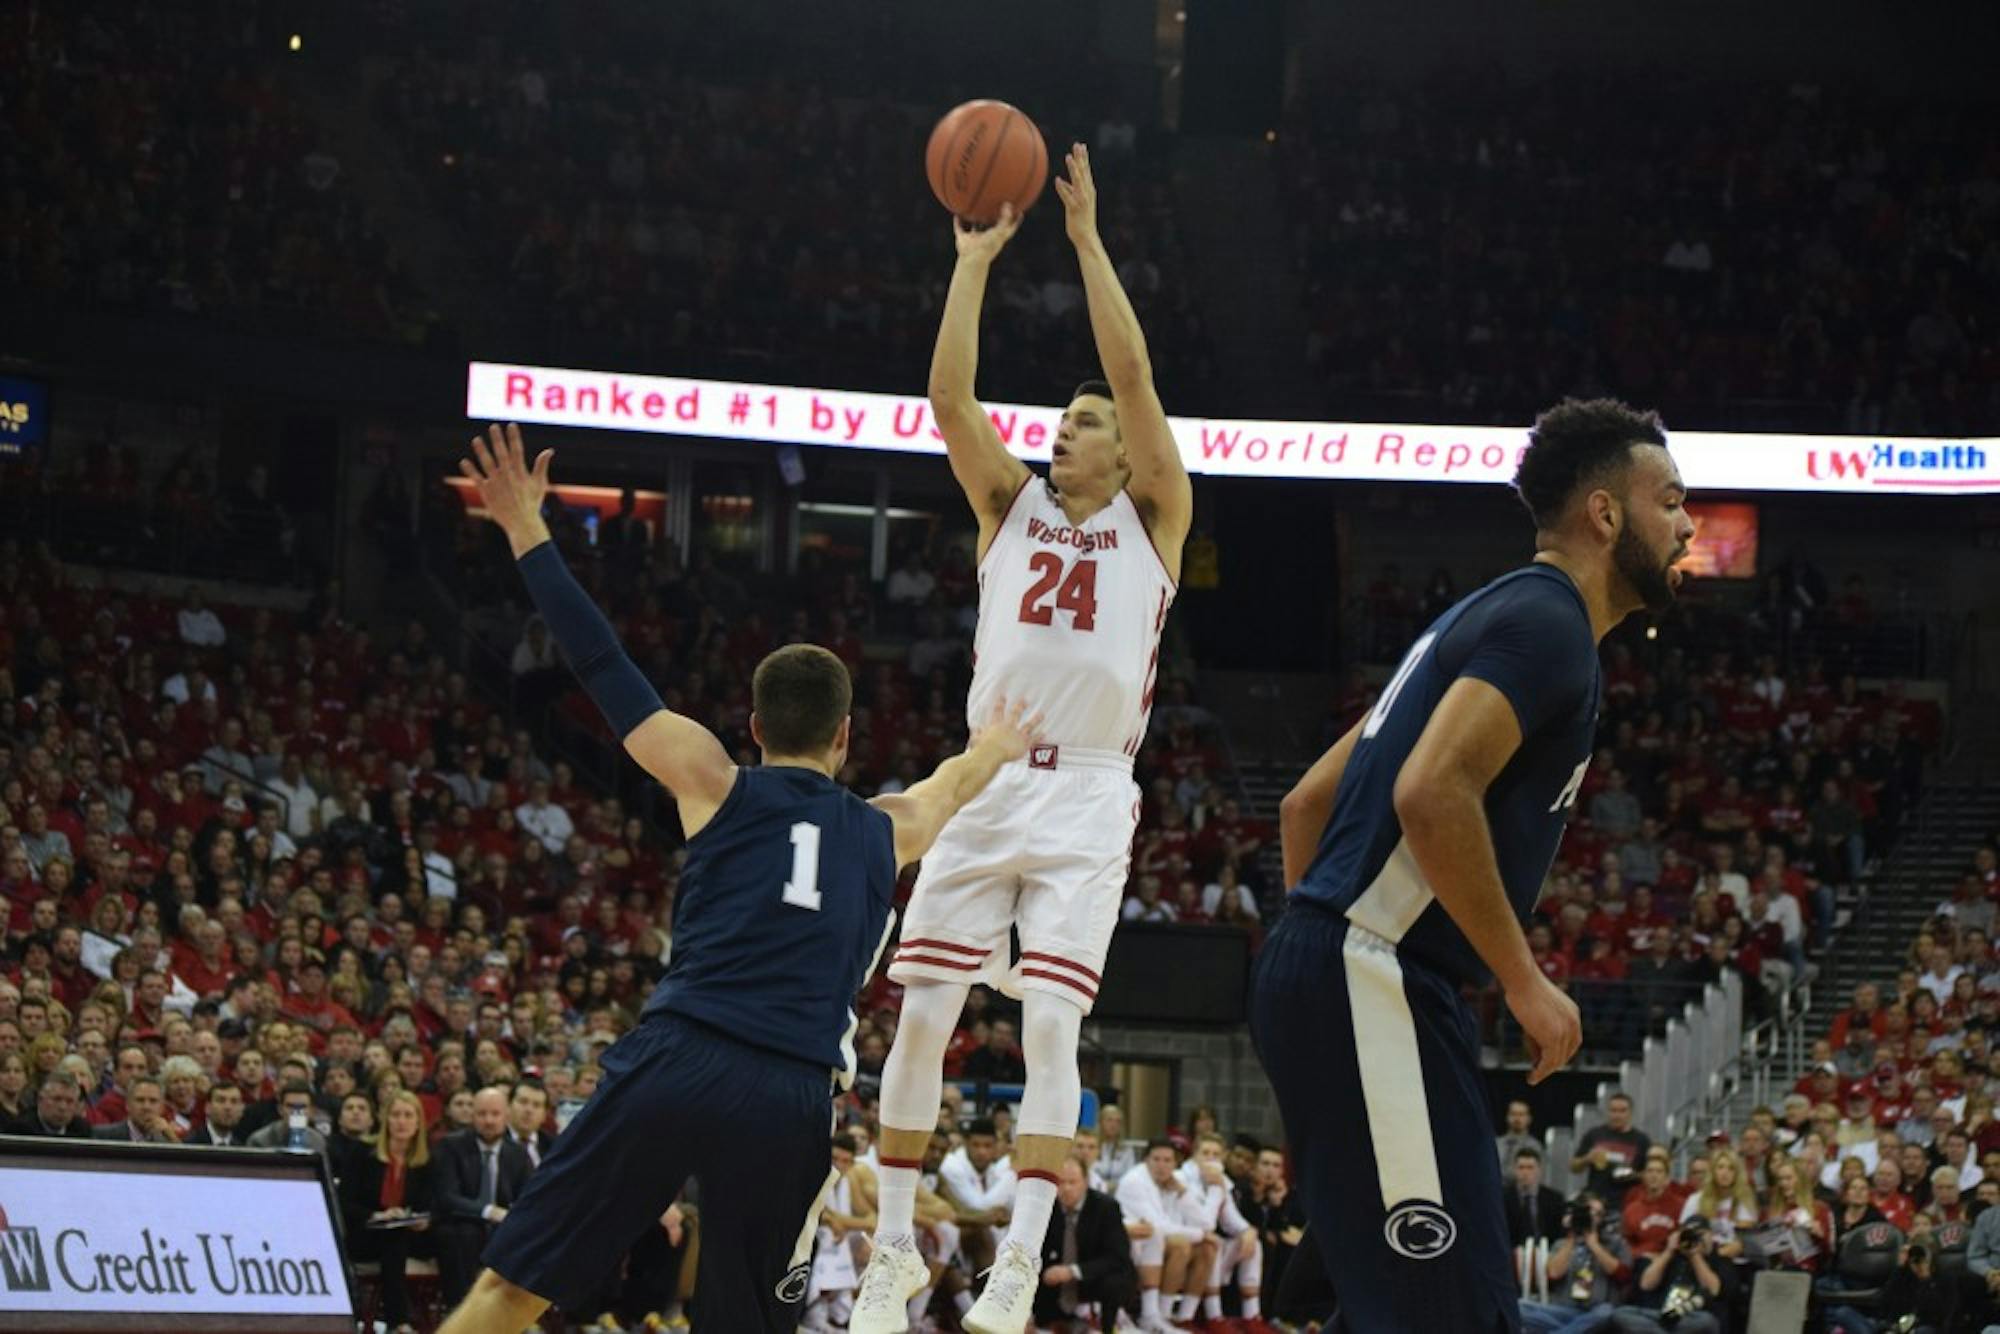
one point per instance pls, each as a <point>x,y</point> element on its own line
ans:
<point>1693,1233</point>
<point>1577,1219</point>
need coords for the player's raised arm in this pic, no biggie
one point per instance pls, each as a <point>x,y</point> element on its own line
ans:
<point>921,810</point>
<point>680,753</point>
<point>985,470</point>
<point>1159,481</point>
<point>1440,798</point>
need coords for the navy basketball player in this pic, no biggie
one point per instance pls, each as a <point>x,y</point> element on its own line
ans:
<point>783,908</point>
<point>1075,577</point>
<point>1415,847</point>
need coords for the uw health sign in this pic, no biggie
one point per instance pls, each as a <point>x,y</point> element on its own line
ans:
<point>1223,447</point>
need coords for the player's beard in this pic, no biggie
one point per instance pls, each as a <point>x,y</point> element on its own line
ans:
<point>1648,576</point>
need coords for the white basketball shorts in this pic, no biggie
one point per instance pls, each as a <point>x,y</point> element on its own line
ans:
<point>1046,849</point>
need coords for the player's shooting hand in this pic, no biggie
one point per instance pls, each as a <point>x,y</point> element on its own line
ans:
<point>510,491</point>
<point>1011,729</point>
<point>673,1221</point>
<point>984,243</point>
<point>1079,195</point>
<point>1551,1023</point>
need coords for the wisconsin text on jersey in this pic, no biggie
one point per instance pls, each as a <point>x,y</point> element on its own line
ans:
<point>1081,538</point>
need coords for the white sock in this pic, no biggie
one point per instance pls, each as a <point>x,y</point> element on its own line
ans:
<point>1211,1306</point>
<point>1253,1308</point>
<point>962,1299</point>
<point>1149,1306</point>
<point>1185,1306</point>
<point>897,1196</point>
<point>920,1304</point>
<point>1034,1200</point>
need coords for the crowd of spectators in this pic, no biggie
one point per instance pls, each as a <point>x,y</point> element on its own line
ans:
<point>112,503</point>
<point>1814,258</point>
<point>1877,1174</point>
<point>685,209</point>
<point>159,163</point>
<point>1193,1226</point>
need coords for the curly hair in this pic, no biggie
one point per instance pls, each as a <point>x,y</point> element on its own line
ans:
<point>1576,442</point>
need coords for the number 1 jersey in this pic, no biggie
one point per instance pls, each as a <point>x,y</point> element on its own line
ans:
<point>1069,620</point>
<point>783,909</point>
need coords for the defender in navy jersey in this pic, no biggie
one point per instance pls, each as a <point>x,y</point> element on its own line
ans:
<point>1415,847</point>
<point>784,906</point>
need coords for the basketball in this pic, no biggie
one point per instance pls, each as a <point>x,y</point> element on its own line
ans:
<point>984,154</point>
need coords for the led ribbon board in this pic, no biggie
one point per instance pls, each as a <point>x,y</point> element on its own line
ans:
<point>1216,447</point>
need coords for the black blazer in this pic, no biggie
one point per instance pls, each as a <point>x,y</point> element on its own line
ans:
<point>361,1189</point>
<point>455,1176</point>
<point>205,1136</point>
<point>1549,1209</point>
<point>544,1141</point>
<point>79,1127</point>
<point>1102,1246</point>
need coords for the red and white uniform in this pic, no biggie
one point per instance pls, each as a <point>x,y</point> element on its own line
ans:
<point>1069,620</point>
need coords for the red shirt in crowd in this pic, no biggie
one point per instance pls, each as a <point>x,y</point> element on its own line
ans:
<point>1650,1219</point>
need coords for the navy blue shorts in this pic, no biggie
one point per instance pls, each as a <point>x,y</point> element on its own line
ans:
<point>1375,1062</point>
<point>680,1100</point>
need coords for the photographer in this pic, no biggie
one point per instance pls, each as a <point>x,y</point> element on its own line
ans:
<point>1587,1270</point>
<point>1684,1288</point>
<point>1915,1300</point>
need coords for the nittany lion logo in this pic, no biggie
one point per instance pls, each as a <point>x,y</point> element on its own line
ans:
<point>792,1287</point>
<point>1420,1232</point>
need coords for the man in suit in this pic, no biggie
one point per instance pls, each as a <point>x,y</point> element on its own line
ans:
<point>58,1111</point>
<point>223,1124</point>
<point>143,1124</point>
<point>480,1172</point>
<point>1086,1256</point>
<point>527,1112</point>
<point>1533,1210</point>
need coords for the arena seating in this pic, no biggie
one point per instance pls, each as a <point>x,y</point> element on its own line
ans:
<point>243,840</point>
<point>746,223</point>
<point>1774,255</point>
<point>163,166</point>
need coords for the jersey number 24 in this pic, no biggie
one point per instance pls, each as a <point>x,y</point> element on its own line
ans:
<point>1077,594</point>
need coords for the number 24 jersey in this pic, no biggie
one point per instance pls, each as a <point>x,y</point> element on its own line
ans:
<point>1070,618</point>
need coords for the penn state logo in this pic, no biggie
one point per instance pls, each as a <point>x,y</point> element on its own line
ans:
<point>792,1287</point>
<point>1420,1231</point>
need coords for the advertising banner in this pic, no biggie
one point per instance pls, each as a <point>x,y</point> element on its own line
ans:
<point>1329,451</point>
<point>24,416</point>
<point>186,1235</point>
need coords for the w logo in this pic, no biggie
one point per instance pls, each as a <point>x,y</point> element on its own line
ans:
<point>22,1267</point>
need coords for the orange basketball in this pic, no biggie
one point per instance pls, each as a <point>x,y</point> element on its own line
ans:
<point>985,154</point>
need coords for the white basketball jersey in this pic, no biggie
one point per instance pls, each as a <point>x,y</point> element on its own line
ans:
<point>1069,620</point>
